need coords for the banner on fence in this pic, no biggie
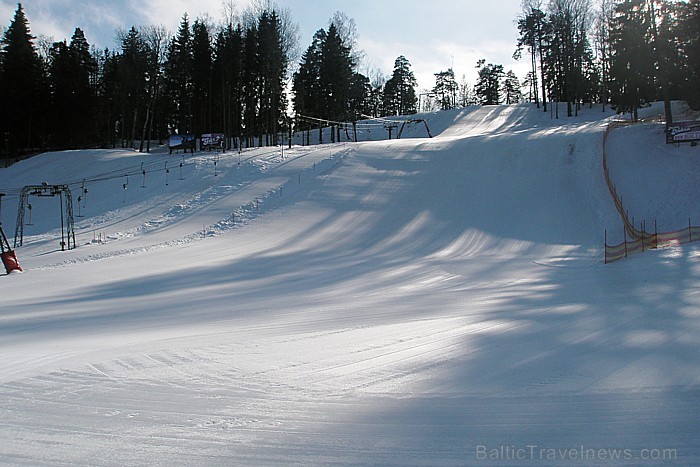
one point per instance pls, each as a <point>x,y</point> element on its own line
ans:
<point>683,132</point>
<point>212,141</point>
<point>186,142</point>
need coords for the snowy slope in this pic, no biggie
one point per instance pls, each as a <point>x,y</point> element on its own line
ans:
<point>415,301</point>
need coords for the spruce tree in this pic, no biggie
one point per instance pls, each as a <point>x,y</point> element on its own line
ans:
<point>201,74</point>
<point>133,72</point>
<point>178,75</point>
<point>272,72</point>
<point>335,76</point>
<point>81,111</point>
<point>72,74</point>
<point>109,98</point>
<point>227,81</point>
<point>62,69</point>
<point>323,85</point>
<point>20,87</point>
<point>306,88</point>
<point>251,85</point>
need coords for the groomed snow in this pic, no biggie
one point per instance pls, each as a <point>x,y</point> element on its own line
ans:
<point>410,302</point>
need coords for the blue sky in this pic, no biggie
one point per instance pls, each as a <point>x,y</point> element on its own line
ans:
<point>432,34</point>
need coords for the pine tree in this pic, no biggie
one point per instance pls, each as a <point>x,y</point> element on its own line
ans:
<point>156,40</point>
<point>335,76</point>
<point>85,88</point>
<point>488,85</point>
<point>632,66</point>
<point>569,26</point>
<point>360,97</point>
<point>688,29</point>
<point>61,70</point>
<point>274,45</point>
<point>201,74</point>
<point>228,76</point>
<point>306,85</point>
<point>178,76</point>
<point>400,90</point>
<point>466,93</point>
<point>272,72</point>
<point>511,88</point>
<point>347,30</point>
<point>108,98</point>
<point>528,38</point>
<point>20,86</point>
<point>133,72</point>
<point>602,24</point>
<point>323,84</point>
<point>251,84</point>
<point>535,34</point>
<point>72,71</point>
<point>446,88</point>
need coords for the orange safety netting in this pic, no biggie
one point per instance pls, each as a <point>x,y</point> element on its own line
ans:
<point>639,240</point>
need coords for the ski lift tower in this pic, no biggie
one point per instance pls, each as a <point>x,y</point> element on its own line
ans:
<point>67,221</point>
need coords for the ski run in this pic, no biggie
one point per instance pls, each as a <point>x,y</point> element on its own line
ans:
<point>414,301</point>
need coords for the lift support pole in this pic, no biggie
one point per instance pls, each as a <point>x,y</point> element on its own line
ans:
<point>67,220</point>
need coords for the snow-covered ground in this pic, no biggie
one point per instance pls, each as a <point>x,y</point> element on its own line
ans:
<point>412,302</point>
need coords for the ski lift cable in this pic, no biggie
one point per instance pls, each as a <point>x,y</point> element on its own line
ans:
<point>385,120</point>
<point>133,171</point>
<point>334,122</point>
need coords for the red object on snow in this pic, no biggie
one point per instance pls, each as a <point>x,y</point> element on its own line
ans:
<point>9,258</point>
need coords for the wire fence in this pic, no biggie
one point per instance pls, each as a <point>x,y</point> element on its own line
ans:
<point>638,240</point>
<point>647,241</point>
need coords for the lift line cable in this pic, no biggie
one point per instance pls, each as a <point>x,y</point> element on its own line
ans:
<point>13,194</point>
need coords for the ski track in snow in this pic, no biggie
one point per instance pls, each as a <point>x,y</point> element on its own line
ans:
<point>408,302</point>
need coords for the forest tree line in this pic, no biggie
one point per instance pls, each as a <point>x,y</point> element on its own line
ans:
<point>243,78</point>
<point>626,53</point>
